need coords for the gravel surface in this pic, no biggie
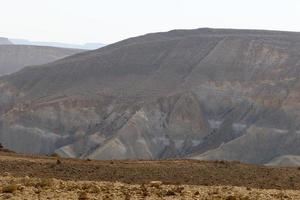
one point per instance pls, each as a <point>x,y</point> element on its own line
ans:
<point>36,188</point>
<point>183,172</point>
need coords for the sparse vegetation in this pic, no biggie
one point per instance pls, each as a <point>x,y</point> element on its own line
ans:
<point>58,161</point>
<point>55,155</point>
<point>9,188</point>
<point>145,179</point>
<point>48,189</point>
<point>83,196</point>
<point>45,182</point>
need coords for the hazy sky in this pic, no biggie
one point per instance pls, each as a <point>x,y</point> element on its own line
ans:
<point>107,21</point>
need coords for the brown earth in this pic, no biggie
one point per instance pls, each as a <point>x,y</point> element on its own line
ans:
<point>34,188</point>
<point>175,172</point>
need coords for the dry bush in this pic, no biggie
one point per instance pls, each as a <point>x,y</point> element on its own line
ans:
<point>170,193</point>
<point>29,182</point>
<point>55,155</point>
<point>42,183</point>
<point>11,188</point>
<point>45,182</point>
<point>83,196</point>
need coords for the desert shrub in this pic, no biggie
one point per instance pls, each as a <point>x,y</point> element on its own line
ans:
<point>55,155</point>
<point>45,182</point>
<point>58,162</point>
<point>83,196</point>
<point>170,193</point>
<point>11,188</point>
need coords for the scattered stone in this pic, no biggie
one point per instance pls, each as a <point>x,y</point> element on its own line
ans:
<point>9,188</point>
<point>170,193</point>
<point>6,174</point>
<point>15,188</point>
<point>83,196</point>
<point>55,155</point>
<point>7,196</point>
<point>231,197</point>
<point>58,161</point>
<point>155,184</point>
<point>179,189</point>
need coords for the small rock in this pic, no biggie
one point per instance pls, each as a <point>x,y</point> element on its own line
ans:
<point>58,161</point>
<point>37,191</point>
<point>179,189</point>
<point>6,174</point>
<point>155,184</point>
<point>83,196</point>
<point>9,188</point>
<point>21,187</point>
<point>231,197</point>
<point>7,196</point>
<point>170,193</point>
<point>54,155</point>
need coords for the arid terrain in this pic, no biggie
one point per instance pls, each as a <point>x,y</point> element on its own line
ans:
<point>32,188</point>
<point>42,177</point>
<point>157,107</point>
<point>183,100</point>
<point>206,94</point>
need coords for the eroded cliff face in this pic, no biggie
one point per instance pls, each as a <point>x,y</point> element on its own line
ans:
<point>204,94</point>
<point>73,128</point>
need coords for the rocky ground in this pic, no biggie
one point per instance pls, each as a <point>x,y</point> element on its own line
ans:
<point>36,188</point>
<point>42,177</point>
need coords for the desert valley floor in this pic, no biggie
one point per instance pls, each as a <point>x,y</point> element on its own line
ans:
<point>42,177</point>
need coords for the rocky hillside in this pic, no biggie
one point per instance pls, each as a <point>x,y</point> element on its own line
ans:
<point>285,160</point>
<point>15,57</point>
<point>204,94</point>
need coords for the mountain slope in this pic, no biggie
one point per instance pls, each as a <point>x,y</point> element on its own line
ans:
<point>15,57</point>
<point>204,93</point>
<point>285,160</point>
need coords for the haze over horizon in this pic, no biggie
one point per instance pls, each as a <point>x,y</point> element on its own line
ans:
<point>106,22</point>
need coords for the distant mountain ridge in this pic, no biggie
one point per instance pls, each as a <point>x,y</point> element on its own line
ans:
<point>203,94</point>
<point>16,57</point>
<point>87,46</point>
<point>4,41</point>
